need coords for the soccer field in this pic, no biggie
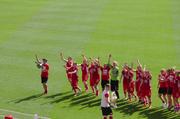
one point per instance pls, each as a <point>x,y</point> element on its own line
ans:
<point>148,30</point>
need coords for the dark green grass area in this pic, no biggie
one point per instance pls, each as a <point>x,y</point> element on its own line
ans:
<point>128,29</point>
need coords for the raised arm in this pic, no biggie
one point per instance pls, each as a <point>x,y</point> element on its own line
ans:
<point>37,60</point>
<point>62,57</point>
<point>84,57</point>
<point>139,63</point>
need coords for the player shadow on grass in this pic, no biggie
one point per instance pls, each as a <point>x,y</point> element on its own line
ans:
<point>85,101</point>
<point>57,95</point>
<point>155,113</point>
<point>28,98</point>
<point>159,113</point>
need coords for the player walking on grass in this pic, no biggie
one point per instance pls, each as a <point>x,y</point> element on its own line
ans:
<point>69,64</point>
<point>115,78</point>
<point>105,73</point>
<point>43,65</point>
<point>73,71</point>
<point>163,86</point>
<point>84,69</point>
<point>91,71</point>
<point>176,92</point>
<point>146,88</point>
<point>96,75</point>
<point>139,77</point>
<point>171,78</point>
<point>124,77</point>
<point>131,83</point>
<point>105,103</point>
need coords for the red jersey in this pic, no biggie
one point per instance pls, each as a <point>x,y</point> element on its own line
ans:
<point>130,75</point>
<point>125,76</point>
<point>163,82</point>
<point>68,65</point>
<point>105,75</point>
<point>45,69</point>
<point>96,75</point>
<point>177,83</point>
<point>84,69</point>
<point>139,75</point>
<point>146,81</point>
<point>171,77</point>
<point>75,74</point>
<point>91,71</point>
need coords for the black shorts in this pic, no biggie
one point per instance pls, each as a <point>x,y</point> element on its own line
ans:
<point>169,91</point>
<point>44,79</point>
<point>162,91</point>
<point>114,85</point>
<point>106,111</point>
<point>103,83</point>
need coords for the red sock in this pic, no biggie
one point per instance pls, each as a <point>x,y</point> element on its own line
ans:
<point>105,118</point>
<point>97,92</point>
<point>86,86</point>
<point>111,117</point>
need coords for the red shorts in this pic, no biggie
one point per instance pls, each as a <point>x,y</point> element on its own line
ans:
<point>84,77</point>
<point>125,86</point>
<point>69,76</point>
<point>94,82</point>
<point>74,83</point>
<point>137,85</point>
<point>131,87</point>
<point>146,92</point>
<point>176,93</point>
<point>97,81</point>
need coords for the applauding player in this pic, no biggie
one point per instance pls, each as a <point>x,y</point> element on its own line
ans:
<point>163,86</point>
<point>69,64</point>
<point>73,71</point>
<point>105,73</point>
<point>43,65</point>
<point>84,69</point>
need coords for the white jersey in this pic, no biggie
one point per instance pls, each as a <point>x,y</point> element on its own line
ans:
<point>104,103</point>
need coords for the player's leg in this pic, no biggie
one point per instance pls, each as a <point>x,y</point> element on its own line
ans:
<point>97,90</point>
<point>175,103</point>
<point>169,98</point>
<point>125,90</point>
<point>44,84</point>
<point>85,85</point>
<point>149,98</point>
<point>104,112</point>
<point>96,87</point>
<point>92,85</point>
<point>160,94</point>
<point>102,84</point>
<point>84,80</point>
<point>110,113</point>
<point>117,88</point>
<point>45,88</point>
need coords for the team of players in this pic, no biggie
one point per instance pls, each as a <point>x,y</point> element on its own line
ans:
<point>142,84</point>
<point>168,80</point>
<point>169,87</point>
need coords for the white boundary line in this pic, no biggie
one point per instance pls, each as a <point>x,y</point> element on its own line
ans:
<point>21,113</point>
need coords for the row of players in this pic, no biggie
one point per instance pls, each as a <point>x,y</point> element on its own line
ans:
<point>168,80</point>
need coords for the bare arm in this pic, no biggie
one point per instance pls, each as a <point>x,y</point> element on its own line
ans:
<point>109,58</point>
<point>37,60</point>
<point>62,57</point>
<point>139,62</point>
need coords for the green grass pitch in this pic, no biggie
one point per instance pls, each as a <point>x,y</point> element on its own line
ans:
<point>129,29</point>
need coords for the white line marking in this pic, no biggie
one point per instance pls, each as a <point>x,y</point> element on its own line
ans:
<point>21,113</point>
